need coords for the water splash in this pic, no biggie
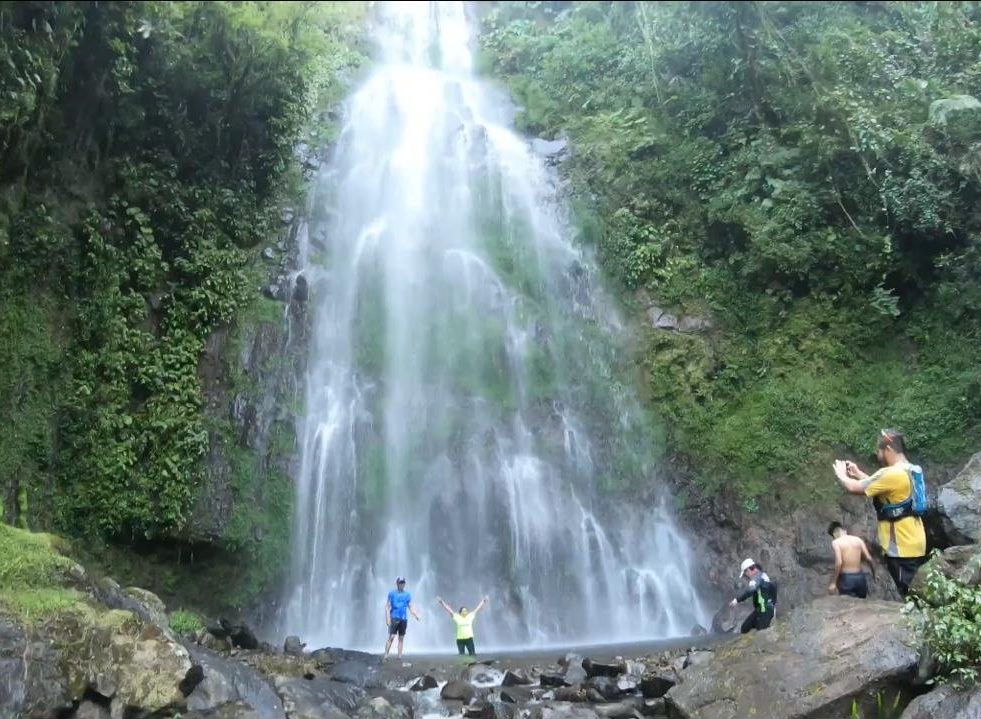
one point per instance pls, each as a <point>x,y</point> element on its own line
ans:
<point>466,415</point>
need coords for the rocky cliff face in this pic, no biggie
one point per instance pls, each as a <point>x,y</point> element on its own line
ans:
<point>794,546</point>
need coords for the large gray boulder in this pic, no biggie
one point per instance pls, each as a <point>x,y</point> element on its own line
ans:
<point>811,664</point>
<point>959,502</point>
<point>959,563</point>
<point>229,682</point>
<point>303,699</point>
<point>946,703</point>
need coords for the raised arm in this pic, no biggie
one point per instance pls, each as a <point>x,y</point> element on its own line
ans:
<point>833,587</point>
<point>849,484</point>
<point>481,604</point>
<point>444,605</point>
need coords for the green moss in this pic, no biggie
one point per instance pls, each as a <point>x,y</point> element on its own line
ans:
<point>30,560</point>
<point>185,623</point>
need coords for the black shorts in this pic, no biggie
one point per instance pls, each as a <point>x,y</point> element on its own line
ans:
<point>853,584</point>
<point>398,626</point>
<point>902,570</point>
<point>757,620</point>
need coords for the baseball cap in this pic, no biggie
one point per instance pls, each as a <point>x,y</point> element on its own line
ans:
<point>747,563</point>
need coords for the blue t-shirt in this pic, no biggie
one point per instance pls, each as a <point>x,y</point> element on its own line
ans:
<point>399,602</point>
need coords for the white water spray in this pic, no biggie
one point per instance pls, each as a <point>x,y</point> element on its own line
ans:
<point>465,425</point>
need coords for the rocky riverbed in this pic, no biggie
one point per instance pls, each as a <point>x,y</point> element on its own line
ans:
<point>77,646</point>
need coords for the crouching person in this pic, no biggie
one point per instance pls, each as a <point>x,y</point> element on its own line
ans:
<point>763,591</point>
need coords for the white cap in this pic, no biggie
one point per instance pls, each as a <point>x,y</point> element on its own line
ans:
<point>747,563</point>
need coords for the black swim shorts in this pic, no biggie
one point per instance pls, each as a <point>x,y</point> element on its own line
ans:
<point>853,584</point>
<point>398,626</point>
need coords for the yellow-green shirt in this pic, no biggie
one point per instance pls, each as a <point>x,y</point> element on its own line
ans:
<point>464,625</point>
<point>905,537</point>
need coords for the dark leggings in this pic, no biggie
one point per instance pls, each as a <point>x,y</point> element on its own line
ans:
<point>902,570</point>
<point>467,644</point>
<point>757,620</point>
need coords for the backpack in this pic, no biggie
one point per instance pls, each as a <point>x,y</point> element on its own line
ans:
<point>915,505</point>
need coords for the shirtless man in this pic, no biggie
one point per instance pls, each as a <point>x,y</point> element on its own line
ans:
<point>850,552</point>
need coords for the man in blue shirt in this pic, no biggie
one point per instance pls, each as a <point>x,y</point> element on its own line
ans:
<point>397,609</point>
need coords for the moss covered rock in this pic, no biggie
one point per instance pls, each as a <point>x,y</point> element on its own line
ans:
<point>57,642</point>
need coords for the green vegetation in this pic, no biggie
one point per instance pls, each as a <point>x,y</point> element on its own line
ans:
<point>803,174</point>
<point>185,623</point>
<point>949,621</point>
<point>145,152</point>
<point>32,575</point>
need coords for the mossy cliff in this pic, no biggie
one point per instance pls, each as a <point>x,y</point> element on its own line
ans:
<point>147,153</point>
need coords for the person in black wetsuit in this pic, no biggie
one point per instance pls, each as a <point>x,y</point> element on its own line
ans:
<point>764,593</point>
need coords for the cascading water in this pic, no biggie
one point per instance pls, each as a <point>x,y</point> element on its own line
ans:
<point>466,425</point>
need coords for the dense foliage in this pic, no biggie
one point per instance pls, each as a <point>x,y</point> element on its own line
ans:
<point>145,151</point>
<point>949,621</point>
<point>804,174</point>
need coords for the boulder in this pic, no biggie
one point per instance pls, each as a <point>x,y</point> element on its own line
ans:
<point>458,689</point>
<point>655,686</point>
<point>574,674</point>
<point>352,671</point>
<point>959,504</point>
<point>480,710</point>
<point>727,619</point>
<point>25,692</point>
<point>229,682</point>
<point>562,710</point>
<point>293,646</point>
<point>424,683</point>
<point>696,659</point>
<point>515,677</point>
<point>946,702</point>
<point>237,710</point>
<point>624,709</point>
<point>381,708</point>
<point>516,694</point>
<point>600,669</point>
<point>304,699</point>
<point>606,687</point>
<point>482,675</point>
<point>91,710</point>
<point>960,563</point>
<point>570,694</point>
<point>662,319</point>
<point>813,663</point>
<point>552,680</point>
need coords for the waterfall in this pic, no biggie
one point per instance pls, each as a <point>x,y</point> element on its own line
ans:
<point>469,419</point>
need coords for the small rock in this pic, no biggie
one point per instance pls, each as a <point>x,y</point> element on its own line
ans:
<point>515,677</point>
<point>661,319</point>
<point>655,686</point>
<point>480,710</point>
<point>381,708</point>
<point>351,671</point>
<point>619,710</point>
<point>194,676</point>
<point>654,708</point>
<point>606,686</point>
<point>574,674</point>
<point>423,683</point>
<point>515,694</point>
<point>458,689</point>
<point>697,659</point>
<point>90,710</point>
<point>287,215</point>
<point>269,254</point>
<point>599,669</point>
<point>552,680</point>
<point>570,694</point>
<point>293,646</point>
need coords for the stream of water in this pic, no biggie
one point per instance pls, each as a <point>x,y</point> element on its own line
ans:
<point>469,418</point>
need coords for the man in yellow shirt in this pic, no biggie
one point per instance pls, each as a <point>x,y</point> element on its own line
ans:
<point>902,539</point>
<point>464,624</point>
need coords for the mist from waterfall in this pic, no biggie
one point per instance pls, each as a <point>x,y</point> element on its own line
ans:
<point>469,417</point>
